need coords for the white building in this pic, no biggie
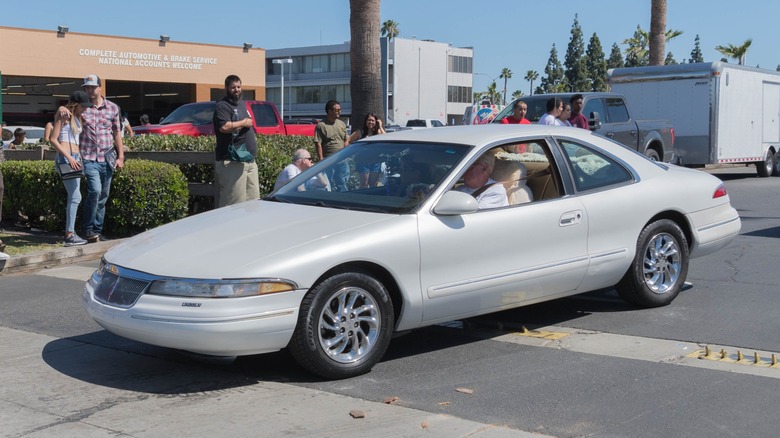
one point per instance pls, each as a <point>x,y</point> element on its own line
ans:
<point>422,79</point>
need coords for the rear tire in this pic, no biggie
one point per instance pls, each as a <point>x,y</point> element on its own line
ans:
<point>344,326</point>
<point>660,266</point>
<point>776,170</point>
<point>652,155</point>
<point>767,167</point>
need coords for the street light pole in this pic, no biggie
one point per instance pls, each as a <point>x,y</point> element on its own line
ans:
<point>282,62</point>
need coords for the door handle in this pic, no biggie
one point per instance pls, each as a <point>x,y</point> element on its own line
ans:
<point>610,134</point>
<point>570,218</point>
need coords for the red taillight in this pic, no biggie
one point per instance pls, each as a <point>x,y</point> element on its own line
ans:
<point>720,192</point>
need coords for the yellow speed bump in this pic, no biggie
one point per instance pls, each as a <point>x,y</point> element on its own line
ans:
<point>737,358</point>
<point>541,334</point>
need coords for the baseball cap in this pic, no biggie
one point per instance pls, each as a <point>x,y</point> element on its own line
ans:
<point>80,97</point>
<point>91,81</point>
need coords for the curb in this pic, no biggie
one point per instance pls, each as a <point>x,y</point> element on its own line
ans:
<point>35,261</point>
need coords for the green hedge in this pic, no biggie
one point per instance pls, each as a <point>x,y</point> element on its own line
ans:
<point>137,202</point>
<point>274,152</point>
<point>144,195</point>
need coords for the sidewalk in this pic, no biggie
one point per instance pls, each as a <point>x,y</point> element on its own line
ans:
<point>23,264</point>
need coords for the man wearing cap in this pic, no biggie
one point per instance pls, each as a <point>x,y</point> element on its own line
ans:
<point>102,151</point>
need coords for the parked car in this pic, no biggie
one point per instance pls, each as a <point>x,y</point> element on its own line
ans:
<point>609,115</point>
<point>332,275</point>
<point>424,123</point>
<point>33,135</point>
<point>197,119</point>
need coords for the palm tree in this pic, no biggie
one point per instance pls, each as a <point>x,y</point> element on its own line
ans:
<point>737,52</point>
<point>517,94</point>
<point>390,29</point>
<point>657,40</point>
<point>365,78</point>
<point>506,74</point>
<point>492,92</point>
<point>531,76</point>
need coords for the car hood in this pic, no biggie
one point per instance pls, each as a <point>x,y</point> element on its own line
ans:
<point>230,242</point>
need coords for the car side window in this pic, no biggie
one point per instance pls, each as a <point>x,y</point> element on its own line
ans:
<point>592,169</point>
<point>616,109</point>
<point>594,105</point>
<point>264,115</point>
<point>526,172</point>
<point>436,123</point>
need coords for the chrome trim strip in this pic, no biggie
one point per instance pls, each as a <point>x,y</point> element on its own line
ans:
<point>718,224</point>
<point>505,275</point>
<point>175,320</point>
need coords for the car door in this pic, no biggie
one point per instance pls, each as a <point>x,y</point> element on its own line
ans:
<point>619,126</point>
<point>499,258</point>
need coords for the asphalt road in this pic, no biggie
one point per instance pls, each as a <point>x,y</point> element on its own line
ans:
<point>617,371</point>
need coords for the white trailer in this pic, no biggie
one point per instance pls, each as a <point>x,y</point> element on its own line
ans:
<point>721,113</point>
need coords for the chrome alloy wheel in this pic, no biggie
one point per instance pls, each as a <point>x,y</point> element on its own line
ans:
<point>662,263</point>
<point>349,325</point>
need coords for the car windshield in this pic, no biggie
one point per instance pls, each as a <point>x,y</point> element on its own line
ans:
<point>197,114</point>
<point>384,177</point>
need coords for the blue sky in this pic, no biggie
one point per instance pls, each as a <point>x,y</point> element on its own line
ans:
<point>515,34</point>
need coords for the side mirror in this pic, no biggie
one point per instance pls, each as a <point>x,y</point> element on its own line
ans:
<point>594,123</point>
<point>454,203</point>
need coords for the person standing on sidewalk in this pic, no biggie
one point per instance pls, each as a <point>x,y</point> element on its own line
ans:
<point>235,169</point>
<point>65,138</point>
<point>102,151</point>
<point>3,256</point>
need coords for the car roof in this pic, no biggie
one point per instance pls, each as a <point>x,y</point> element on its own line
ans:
<point>477,134</point>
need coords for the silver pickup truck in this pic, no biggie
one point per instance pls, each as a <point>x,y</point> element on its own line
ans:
<point>609,115</point>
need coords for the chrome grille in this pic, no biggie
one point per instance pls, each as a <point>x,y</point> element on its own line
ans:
<point>119,291</point>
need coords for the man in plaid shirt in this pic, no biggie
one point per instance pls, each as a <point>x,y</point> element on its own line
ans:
<point>100,133</point>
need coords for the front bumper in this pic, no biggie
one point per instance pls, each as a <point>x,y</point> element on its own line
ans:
<point>211,326</point>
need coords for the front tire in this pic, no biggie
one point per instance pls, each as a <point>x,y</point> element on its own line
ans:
<point>659,268</point>
<point>344,326</point>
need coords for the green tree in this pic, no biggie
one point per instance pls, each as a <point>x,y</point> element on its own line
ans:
<point>575,62</point>
<point>657,37</point>
<point>492,93</point>
<point>736,52</point>
<point>365,77</point>
<point>597,66</point>
<point>517,94</point>
<point>669,59</point>
<point>390,29</point>
<point>553,73</point>
<point>531,76</point>
<point>506,74</point>
<point>636,52</point>
<point>615,59</point>
<point>696,55</point>
<point>478,95</point>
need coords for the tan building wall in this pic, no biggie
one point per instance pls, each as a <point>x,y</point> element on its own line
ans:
<point>49,54</point>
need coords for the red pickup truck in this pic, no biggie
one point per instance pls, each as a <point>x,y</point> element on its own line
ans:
<point>197,119</point>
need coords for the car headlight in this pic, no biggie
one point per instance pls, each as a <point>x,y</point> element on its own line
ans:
<point>219,289</point>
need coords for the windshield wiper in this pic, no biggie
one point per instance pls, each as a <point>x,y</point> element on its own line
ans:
<point>275,199</point>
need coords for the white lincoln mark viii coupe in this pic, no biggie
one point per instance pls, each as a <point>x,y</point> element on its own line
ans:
<point>450,223</point>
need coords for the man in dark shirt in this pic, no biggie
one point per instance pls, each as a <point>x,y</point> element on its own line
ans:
<point>235,170</point>
<point>577,118</point>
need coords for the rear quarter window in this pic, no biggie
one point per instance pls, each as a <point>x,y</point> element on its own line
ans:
<point>264,115</point>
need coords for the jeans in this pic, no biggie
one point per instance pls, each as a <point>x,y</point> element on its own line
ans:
<point>74,196</point>
<point>339,176</point>
<point>98,177</point>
